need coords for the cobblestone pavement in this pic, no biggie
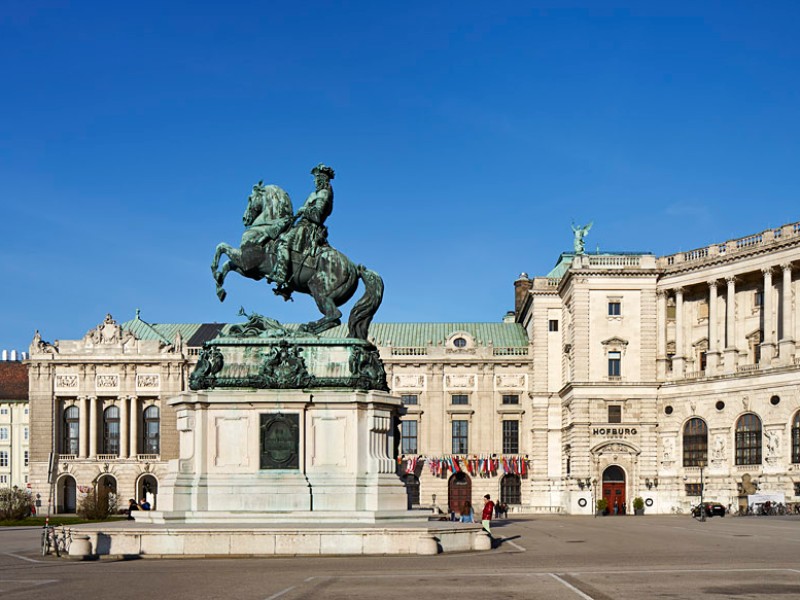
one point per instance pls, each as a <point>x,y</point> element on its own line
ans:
<point>555,558</point>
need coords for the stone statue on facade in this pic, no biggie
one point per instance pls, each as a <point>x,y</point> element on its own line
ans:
<point>292,250</point>
<point>580,232</point>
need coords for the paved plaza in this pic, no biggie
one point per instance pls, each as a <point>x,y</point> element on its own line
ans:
<point>556,558</point>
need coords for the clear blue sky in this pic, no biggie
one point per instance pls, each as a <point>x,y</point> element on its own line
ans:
<point>465,137</point>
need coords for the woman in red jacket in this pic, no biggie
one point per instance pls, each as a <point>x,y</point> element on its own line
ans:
<point>488,510</point>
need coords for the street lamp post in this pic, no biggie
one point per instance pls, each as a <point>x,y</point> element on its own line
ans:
<point>702,489</point>
<point>594,498</point>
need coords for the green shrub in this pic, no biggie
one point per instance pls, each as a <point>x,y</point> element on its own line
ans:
<point>98,504</point>
<point>638,503</point>
<point>602,505</point>
<point>15,504</point>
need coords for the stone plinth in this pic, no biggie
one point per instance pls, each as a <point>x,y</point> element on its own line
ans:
<point>275,456</point>
<point>111,539</point>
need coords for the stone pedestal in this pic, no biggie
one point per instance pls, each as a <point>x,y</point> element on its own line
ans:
<point>283,456</point>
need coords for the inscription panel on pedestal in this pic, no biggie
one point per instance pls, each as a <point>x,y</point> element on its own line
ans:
<point>279,441</point>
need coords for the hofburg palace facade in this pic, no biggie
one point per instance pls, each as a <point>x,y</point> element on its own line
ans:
<point>617,375</point>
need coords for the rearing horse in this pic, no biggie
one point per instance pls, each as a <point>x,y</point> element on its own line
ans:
<point>327,275</point>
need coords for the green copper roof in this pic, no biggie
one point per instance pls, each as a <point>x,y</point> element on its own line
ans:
<point>562,265</point>
<point>506,335</point>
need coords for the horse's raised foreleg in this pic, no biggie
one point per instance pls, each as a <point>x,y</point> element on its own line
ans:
<point>234,256</point>
<point>222,248</point>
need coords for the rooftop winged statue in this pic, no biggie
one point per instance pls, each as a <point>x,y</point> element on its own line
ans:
<point>580,232</point>
<point>292,250</point>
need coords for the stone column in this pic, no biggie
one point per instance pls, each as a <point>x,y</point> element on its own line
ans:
<point>123,426</point>
<point>678,361</point>
<point>661,332</point>
<point>134,421</point>
<point>768,341</point>
<point>712,356</point>
<point>92,426</point>
<point>83,429</point>
<point>787,344</point>
<point>730,326</point>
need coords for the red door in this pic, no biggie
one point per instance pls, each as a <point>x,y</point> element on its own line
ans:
<point>614,493</point>
<point>614,490</point>
<point>459,491</point>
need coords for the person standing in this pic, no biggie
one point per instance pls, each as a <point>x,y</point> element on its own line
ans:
<point>486,517</point>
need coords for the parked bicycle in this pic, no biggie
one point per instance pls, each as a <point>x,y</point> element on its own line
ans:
<point>55,541</point>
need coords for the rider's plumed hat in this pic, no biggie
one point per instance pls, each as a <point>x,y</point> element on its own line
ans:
<point>324,170</point>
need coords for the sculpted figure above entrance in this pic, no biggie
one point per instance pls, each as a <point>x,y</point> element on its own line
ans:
<point>292,250</point>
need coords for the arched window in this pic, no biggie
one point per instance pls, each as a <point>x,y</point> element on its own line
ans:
<point>111,430</point>
<point>151,430</point>
<point>748,440</point>
<point>796,438</point>
<point>695,443</point>
<point>510,490</point>
<point>71,431</point>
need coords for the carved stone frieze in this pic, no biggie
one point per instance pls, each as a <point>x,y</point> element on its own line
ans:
<point>458,382</point>
<point>409,382</point>
<point>66,382</point>
<point>148,381</point>
<point>106,382</point>
<point>511,381</point>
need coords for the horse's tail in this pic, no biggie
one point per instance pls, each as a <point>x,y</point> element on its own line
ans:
<point>366,307</point>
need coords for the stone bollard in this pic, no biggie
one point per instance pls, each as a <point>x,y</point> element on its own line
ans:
<point>427,546</point>
<point>80,546</point>
<point>481,541</point>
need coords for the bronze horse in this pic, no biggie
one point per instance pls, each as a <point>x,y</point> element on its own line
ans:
<point>329,276</point>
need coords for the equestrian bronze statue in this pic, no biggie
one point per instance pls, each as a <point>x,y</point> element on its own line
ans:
<point>292,250</point>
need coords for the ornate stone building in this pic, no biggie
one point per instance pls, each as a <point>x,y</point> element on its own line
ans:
<point>14,428</point>
<point>618,375</point>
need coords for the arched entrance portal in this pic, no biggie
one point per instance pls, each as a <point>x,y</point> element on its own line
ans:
<point>459,490</point>
<point>147,488</point>
<point>614,489</point>
<point>67,495</point>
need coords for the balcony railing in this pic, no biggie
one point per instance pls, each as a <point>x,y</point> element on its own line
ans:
<point>147,457</point>
<point>67,457</point>
<point>409,351</point>
<point>770,236</point>
<point>512,351</point>
<point>107,457</point>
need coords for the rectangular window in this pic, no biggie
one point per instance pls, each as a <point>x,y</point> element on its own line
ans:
<point>25,464</point>
<point>3,433</point>
<point>25,433</point>
<point>703,361</point>
<point>3,411</point>
<point>3,458</point>
<point>459,399</point>
<point>553,325</point>
<point>797,488</point>
<point>510,437</point>
<point>510,399</point>
<point>460,437</point>
<point>408,437</point>
<point>409,399</point>
<point>4,479</point>
<point>614,364</point>
<point>615,413</point>
<point>758,298</point>
<point>693,489</point>
<point>25,411</point>
<point>614,308</point>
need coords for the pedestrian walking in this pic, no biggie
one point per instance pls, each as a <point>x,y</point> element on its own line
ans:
<point>486,517</point>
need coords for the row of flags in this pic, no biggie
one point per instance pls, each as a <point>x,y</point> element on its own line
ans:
<point>484,465</point>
